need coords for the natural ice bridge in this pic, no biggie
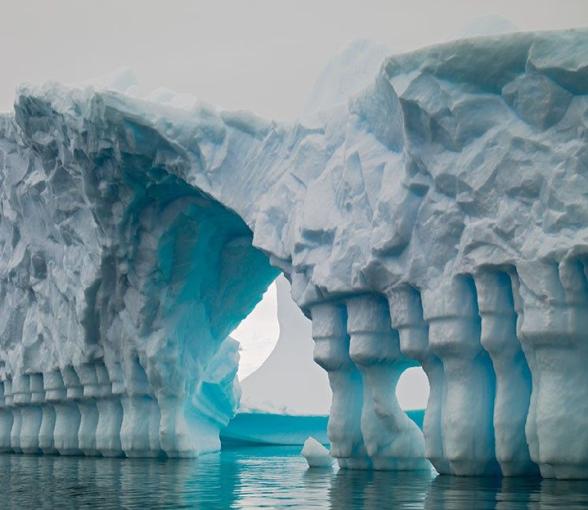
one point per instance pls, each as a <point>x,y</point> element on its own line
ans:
<point>439,218</point>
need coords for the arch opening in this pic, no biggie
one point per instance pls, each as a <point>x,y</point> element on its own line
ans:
<point>412,389</point>
<point>258,333</point>
<point>196,276</point>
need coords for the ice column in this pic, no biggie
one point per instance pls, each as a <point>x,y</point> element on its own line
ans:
<point>20,396</point>
<point>54,393</point>
<point>331,352</point>
<point>513,379</point>
<point>139,433</point>
<point>66,387</point>
<point>5,419</point>
<point>391,439</point>
<point>454,336</point>
<point>406,314</point>
<point>553,329</point>
<point>32,415</point>
<point>176,438</point>
<point>88,410</point>
<point>110,412</point>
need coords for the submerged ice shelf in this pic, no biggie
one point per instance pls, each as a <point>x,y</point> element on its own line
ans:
<point>439,218</point>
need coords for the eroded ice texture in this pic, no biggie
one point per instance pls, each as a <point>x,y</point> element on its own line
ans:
<point>438,217</point>
<point>120,283</point>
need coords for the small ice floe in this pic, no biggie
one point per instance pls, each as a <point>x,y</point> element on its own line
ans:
<point>316,454</point>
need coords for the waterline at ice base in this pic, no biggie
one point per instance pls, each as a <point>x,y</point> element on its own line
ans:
<point>437,218</point>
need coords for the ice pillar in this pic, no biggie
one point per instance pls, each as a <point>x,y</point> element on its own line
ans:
<point>88,380</point>
<point>5,418</point>
<point>331,352</point>
<point>454,336</point>
<point>32,415</point>
<point>406,314</point>
<point>174,436</point>
<point>139,433</point>
<point>20,397</point>
<point>182,434</point>
<point>110,412</point>
<point>66,388</point>
<point>54,393</point>
<point>513,379</point>
<point>391,439</point>
<point>553,328</point>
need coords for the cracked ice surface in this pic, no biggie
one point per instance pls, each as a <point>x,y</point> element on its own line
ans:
<point>436,218</point>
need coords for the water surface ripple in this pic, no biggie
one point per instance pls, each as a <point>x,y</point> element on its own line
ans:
<point>259,478</point>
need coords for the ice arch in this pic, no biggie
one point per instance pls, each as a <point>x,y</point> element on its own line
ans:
<point>200,276</point>
<point>438,218</point>
<point>125,281</point>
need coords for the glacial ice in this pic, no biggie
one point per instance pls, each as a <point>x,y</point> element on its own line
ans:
<point>316,455</point>
<point>438,217</point>
<point>287,399</point>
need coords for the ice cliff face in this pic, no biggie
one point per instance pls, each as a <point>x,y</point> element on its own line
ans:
<point>438,218</point>
<point>120,282</point>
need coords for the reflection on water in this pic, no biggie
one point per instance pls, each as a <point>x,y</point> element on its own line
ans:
<point>259,478</point>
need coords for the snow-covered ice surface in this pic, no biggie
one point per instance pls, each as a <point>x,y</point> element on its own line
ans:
<point>438,217</point>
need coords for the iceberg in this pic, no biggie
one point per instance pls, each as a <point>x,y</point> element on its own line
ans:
<point>316,455</point>
<point>436,218</point>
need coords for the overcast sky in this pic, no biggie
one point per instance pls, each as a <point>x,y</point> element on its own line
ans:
<point>262,55</point>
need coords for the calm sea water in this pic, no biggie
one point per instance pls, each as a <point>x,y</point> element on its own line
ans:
<point>258,478</point>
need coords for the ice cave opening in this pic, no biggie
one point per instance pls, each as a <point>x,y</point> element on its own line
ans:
<point>258,333</point>
<point>201,277</point>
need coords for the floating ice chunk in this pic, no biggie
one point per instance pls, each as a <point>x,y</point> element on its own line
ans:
<point>316,454</point>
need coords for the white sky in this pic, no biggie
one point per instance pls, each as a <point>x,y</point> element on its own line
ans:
<point>258,333</point>
<point>260,55</point>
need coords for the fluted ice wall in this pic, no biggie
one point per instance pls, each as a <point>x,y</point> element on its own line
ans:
<point>84,410</point>
<point>439,218</point>
<point>478,247</point>
<point>119,285</point>
<point>504,353</point>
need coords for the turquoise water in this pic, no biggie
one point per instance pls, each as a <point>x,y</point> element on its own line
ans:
<point>265,477</point>
<point>259,428</point>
